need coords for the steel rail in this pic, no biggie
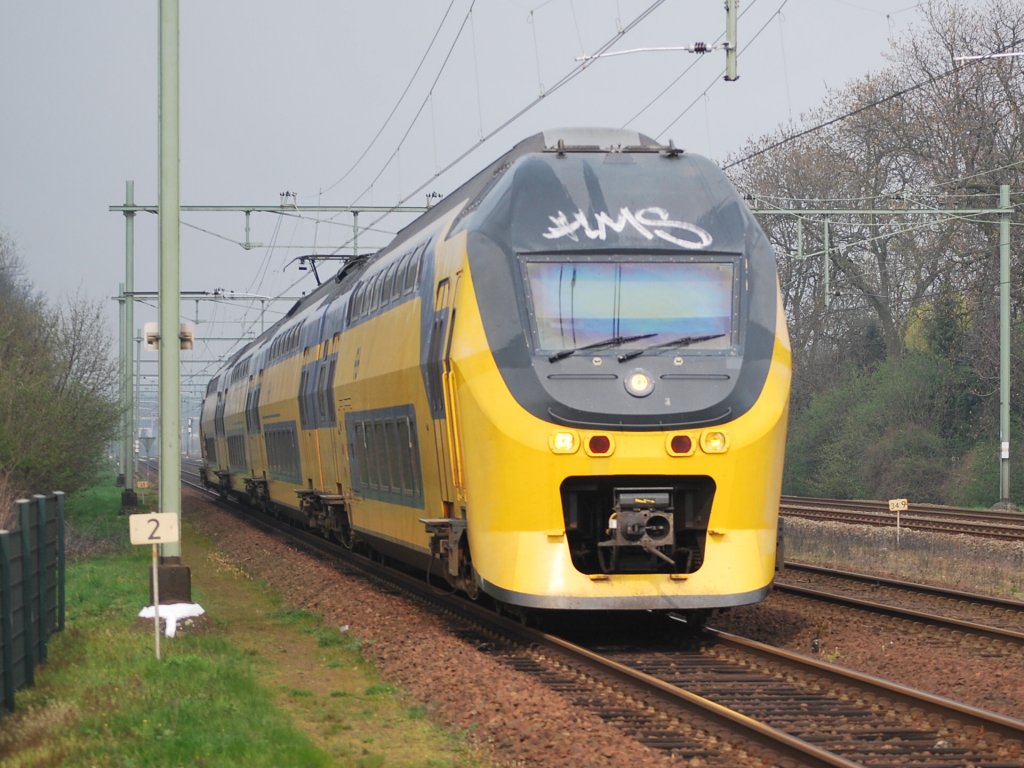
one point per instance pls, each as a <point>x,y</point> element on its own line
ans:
<point>945,622</point>
<point>985,721</point>
<point>909,586</point>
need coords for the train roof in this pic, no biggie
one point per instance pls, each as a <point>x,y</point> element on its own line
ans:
<point>556,140</point>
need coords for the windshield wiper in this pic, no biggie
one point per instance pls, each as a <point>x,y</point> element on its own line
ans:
<point>614,341</point>
<point>682,341</point>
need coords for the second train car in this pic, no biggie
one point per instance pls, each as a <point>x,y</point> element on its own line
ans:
<point>565,386</point>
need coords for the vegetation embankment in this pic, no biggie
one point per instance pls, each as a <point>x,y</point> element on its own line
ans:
<point>58,406</point>
<point>251,683</point>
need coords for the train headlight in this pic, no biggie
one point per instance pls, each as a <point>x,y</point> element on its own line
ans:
<point>639,383</point>
<point>714,442</point>
<point>564,442</point>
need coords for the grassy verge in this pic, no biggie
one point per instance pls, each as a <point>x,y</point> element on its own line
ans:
<point>255,684</point>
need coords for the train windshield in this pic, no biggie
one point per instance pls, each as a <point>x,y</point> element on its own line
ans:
<point>631,304</point>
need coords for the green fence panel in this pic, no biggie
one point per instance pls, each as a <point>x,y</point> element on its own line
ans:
<point>6,625</point>
<point>39,581</point>
<point>61,560</point>
<point>32,580</point>
<point>27,592</point>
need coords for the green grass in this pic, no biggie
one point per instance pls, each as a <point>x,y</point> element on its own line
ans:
<point>201,705</point>
<point>103,699</point>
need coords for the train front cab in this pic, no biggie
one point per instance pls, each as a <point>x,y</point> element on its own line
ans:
<point>558,326</point>
<point>530,488</point>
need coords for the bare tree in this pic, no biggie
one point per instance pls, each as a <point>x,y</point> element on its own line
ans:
<point>927,132</point>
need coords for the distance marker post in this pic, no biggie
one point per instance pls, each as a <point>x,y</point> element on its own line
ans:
<point>898,506</point>
<point>155,529</point>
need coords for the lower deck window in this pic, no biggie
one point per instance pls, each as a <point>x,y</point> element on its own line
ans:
<point>283,452</point>
<point>385,455</point>
<point>236,454</point>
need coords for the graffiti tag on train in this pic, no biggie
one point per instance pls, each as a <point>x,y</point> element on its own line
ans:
<point>650,222</point>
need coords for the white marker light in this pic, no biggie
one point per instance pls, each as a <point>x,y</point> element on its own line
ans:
<point>564,442</point>
<point>639,383</point>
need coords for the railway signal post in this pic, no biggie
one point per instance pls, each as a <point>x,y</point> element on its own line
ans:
<point>175,578</point>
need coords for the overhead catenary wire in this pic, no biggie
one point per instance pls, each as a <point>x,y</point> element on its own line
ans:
<point>930,80</point>
<point>564,80</point>
<point>394,109</point>
<point>718,77</point>
<point>423,104</point>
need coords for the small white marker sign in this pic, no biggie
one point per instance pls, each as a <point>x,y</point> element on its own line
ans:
<point>155,528</point>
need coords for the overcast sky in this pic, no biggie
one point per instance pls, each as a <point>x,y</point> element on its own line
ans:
<point>288,96</point>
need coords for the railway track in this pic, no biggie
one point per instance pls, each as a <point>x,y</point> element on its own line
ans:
<point>723,699</point>
<point>995,523</point>
<point>983,615</point>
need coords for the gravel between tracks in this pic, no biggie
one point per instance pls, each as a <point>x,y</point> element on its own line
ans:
<point>520,722</point>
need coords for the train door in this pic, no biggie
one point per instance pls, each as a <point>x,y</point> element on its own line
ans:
<point>442,397</point>
<point>329,440</point>
<point>310,444</point>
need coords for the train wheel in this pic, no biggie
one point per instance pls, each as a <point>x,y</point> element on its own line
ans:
<point>467,575</point>
<point>346,536</point>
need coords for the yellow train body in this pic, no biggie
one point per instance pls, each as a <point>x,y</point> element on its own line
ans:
<point>423,405</point>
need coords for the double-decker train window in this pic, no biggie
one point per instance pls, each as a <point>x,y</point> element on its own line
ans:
<point>282,452</point>
<point>252,409</point>
<point>412,268</point>
<point>388,282</point>
<point>385,455</point>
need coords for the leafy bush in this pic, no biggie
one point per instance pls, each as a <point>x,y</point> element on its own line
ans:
<point>896,431</point>
<point>57,383</point>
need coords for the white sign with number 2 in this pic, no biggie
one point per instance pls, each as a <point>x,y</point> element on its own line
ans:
<point>156,528</point>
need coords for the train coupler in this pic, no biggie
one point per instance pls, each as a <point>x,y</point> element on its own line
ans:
<point>445,535</point>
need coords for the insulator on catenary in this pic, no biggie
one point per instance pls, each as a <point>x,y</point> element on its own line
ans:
<point>700,47</point>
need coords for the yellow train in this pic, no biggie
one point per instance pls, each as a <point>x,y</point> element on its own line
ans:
<point>565,386</point>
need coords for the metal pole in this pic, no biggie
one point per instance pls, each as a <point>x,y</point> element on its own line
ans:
<point>355,234</point>
<point>138,383</point>
<point>129,323</point>
<point>156,604</point>
<point>731,41</point>
<point>1004,343</point>
<point>170,283</point>
<point>828,267</point>
<point>122,331</point>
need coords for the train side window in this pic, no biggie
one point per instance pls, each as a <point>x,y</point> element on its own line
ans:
<point>394,455</point>
<point>378,283</point>
<point>372,470</point>
<point>360,452</point>
<point>380,447</point>
<point>325,409</point>
<point>405,442</point>
<point>353,304</point>
<point>303,405</point>
<point>400,270</point>
<point>358,300</point>
<point>368,302</point>
<point>412,269</point>
<point>385,291</point>
<point>394,282</point>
